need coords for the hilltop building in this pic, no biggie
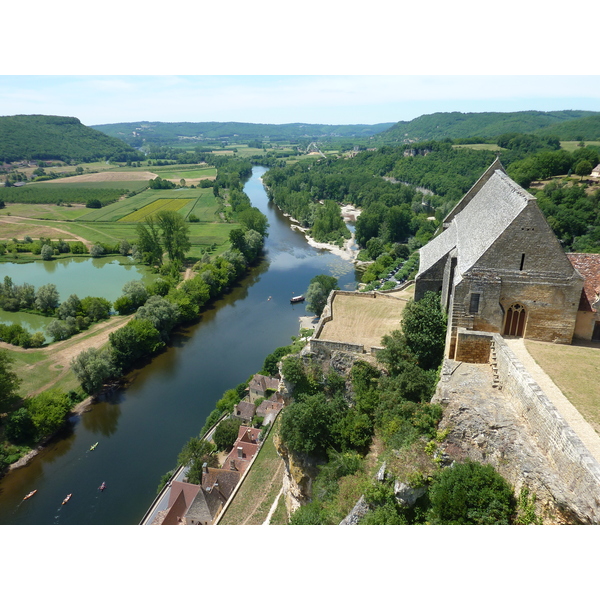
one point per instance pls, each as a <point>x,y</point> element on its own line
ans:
<point>499,266</point>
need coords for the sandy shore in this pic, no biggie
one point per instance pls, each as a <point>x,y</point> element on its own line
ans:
<point>349,214</point>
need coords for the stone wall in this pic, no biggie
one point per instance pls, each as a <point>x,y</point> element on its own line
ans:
<point>577,466</point>
<point>568,455</point>
<point>473,346</point>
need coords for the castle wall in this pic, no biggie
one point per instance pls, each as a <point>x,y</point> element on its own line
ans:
<point>578,468</point>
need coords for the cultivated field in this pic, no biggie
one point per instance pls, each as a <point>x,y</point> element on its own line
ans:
<point>174,204</point>
<point>575,370</point>
<point>363,319</point>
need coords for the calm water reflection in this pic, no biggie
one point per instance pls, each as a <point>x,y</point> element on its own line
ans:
<point>142,428</point>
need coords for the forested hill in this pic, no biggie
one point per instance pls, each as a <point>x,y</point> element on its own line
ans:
<point>43,137</point>
<point>145,132</point>
<point>456,125</point>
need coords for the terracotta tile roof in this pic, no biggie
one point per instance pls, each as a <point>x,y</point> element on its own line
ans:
<point>181,497</point>
<point>588,266</point>
<point>248,434</point>
<point>247,452</point>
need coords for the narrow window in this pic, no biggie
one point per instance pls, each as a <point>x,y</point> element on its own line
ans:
<point>522,262</point>
<point>474,305</point>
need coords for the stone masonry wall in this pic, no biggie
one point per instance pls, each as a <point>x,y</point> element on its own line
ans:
<point>579,470</point>
<point>473,347</point>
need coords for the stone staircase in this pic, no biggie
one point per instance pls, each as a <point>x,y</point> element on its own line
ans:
<point>494,365</point>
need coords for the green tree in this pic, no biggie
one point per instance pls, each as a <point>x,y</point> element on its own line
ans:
<point>96,251</point>
<point>470,493</point>
<point>47,252</point>
<point>47,298</point>
<point>148,243</point>
<point>92,368</point>
<point>9,382</point>
<point>195,450</point>
<point>48,411</point>
<point>226,433</point>
<point>175,234</point>
<point>163,314</point>
<point>136,339</point>
<point>582,168</point>
<point>318,291</point>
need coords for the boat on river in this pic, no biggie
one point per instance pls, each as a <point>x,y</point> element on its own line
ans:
<point>93,446</point>
<point>102,487</point>
<point>67,499</point>
<point>30,494</point>
<point>297,299</point>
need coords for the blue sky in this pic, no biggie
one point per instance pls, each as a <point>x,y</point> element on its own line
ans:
<point>338,99</point>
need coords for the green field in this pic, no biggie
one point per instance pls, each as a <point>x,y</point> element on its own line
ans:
<point>572,146</point>
<point>186,172</point>
<point>173,204</point>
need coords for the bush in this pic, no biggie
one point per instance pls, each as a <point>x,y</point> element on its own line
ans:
<point>226,433</point>
<point>471,494</point>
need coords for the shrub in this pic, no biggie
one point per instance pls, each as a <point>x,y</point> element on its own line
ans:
<point>470,493</point>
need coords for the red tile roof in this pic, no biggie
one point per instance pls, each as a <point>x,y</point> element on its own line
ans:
<point>589,267</point>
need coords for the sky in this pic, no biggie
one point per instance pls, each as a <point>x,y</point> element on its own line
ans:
<point>315,62</point>
<point>276,99</point>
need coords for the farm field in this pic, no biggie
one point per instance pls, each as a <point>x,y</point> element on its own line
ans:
<point>573,145</point>
<point>363,319</point>
<point>174,204</point>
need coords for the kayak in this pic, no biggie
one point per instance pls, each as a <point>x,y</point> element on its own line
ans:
<point>93,447</point>
<point>67,499</point>
<point>29,495</point>
<point>102,487</point>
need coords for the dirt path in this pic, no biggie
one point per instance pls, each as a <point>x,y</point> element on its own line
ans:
<point>60,354</point>
<point>42,223</point>
<point>570,414</point>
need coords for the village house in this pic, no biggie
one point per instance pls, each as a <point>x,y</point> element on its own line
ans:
<point>260,385</point>
<point>269,409</point>
<point>499,267</point>
<point>587,326</point>
<point>244,411</point>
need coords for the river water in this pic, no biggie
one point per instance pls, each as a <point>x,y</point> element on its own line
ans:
<point>141,429</point>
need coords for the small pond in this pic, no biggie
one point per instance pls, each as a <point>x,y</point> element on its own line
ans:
<point>83,276</point>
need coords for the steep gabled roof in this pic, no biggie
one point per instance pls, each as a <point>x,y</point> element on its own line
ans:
<point>488,214</point>
<point>588,266</point>
<point>495,166</point>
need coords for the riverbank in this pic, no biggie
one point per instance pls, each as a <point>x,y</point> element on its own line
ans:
<point>347,251</point>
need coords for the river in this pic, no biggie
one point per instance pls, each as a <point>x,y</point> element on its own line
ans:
<point>141,429</point>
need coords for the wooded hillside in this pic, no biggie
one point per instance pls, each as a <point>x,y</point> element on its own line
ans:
<point>43,137</point>
<point>439,126</point>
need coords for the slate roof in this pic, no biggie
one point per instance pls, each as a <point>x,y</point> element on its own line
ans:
<point>486,210</point>
<point>244,410</point>
<point>260,383</point>
<point>588,266</point>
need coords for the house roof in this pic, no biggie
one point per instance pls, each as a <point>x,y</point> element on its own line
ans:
<point>263,383</point>
<point>205,507</point>
<point>189,491</point>
<point>245,410</point>
<point>268,406</point>
<point>588,266</point>
<point>241,462</point>
<point>225,478</point>
<point>486,211</point>
<point>248,434</point>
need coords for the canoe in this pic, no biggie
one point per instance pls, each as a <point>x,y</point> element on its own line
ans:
<point>101,488</point>
<point>30,494</point>
<point>93,446</point>
<point>67,499</point>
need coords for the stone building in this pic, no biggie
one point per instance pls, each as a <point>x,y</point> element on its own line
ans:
<point>499,266</point>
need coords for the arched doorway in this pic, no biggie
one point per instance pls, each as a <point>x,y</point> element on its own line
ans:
<point>515,320</point>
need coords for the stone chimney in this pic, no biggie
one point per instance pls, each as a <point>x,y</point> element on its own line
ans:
<point>232,465</point>
<point>240,452</point>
